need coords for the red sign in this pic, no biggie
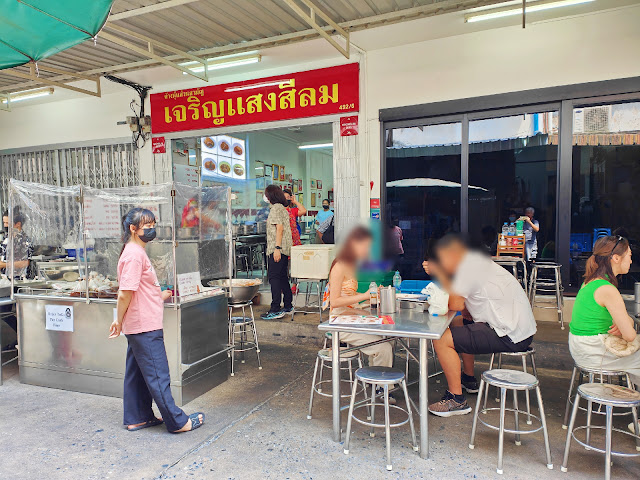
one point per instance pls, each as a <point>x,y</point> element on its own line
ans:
<point>348,126</point>
<point>158,145</point>
<point>374,203</point>
<point>324,91</point>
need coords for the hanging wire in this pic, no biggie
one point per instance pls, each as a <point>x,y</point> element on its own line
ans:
<point>138,138</point>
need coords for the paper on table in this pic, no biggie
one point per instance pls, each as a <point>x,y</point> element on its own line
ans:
<point>360,320</point>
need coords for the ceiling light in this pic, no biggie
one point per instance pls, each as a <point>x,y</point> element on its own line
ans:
<point>27,94</point>
<point>259,85</point>
<point>530,8</point>
<point>316,145</point>
<point>225,61</point>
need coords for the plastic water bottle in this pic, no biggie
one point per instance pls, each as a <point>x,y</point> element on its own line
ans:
<point>505,229</point>
<point>397,280</point>
<point>512,229</point>
<point>373,295</point>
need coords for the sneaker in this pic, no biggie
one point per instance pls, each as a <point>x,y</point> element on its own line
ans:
<point>392,398</point>
<point>287,310</point>
<point>470,384</point>
<point>272,315</point>
<point>632,428</point>
<point>449,406</point>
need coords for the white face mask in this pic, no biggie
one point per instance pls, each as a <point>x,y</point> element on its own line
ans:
<point>265,199</point>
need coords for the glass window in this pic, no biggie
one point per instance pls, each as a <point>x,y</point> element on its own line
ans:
<point>512,168</point>
<point>605,183</point>
<point>422,192</point>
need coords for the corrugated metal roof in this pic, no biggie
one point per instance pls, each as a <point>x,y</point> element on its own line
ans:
<point>210,27</point>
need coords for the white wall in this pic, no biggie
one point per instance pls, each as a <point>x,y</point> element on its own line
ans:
<point>595,47</point>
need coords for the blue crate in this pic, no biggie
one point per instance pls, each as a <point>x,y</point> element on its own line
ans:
<point>580,242</point>
<point>600,232</point>
<point>413,286</point>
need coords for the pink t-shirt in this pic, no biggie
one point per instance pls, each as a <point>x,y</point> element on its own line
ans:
<point>136,273</point>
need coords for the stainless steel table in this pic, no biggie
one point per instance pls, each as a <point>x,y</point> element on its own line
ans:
<point>409,323</point>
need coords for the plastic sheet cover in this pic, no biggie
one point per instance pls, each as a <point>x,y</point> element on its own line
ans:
<point>50,220</point>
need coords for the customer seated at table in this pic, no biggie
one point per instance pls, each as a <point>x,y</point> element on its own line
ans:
<point>502,317</point>
<point>599,312</point>
<point>343,297</point>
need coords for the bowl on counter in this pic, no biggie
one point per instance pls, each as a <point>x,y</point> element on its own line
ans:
<point>242,289</point>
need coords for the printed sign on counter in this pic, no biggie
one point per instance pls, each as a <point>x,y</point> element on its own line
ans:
<point>59,318</point>
<point>189,283</point>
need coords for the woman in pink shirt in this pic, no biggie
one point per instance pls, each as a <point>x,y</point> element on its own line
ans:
<point>140,313</point>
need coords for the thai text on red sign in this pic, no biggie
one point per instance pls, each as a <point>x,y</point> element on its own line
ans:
<point>325,91</point>
<point>349,126</point>
<point>158,145</point>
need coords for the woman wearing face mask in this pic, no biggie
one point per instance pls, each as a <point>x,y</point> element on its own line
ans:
<point>278,252</point>
<point>139,316</point>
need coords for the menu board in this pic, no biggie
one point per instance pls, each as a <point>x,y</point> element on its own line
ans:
<point>223,156</point>
<point>101,218</point>
<point>186,174</point>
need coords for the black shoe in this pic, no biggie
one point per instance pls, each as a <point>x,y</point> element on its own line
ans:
<point>470,384</point>
<point>392,398</point>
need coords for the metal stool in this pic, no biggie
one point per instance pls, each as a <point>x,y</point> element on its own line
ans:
<point>324,357</point>
<point>242,326</point>
<point>546,285</point>
<point>530,354</point>
<point>593,374</point>
<point>383,377</point>
<point>515,381</point>
<point>309,306</point>
<point>610,396</point>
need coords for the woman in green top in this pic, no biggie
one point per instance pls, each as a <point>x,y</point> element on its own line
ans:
<point>599,310</point>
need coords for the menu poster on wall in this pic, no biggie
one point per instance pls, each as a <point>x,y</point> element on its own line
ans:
<point>186,174</point>
<point>59,318</point>
<point>223,156</point>
<point>101,218</point>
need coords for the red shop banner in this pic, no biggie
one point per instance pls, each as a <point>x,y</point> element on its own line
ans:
<point>325,91</point>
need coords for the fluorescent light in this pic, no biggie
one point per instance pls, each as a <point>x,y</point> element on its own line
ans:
<point>225,61</point>
<point>27,94</point>
<point>258,85</point>
<point>316,145</point>
<point>530,8</point>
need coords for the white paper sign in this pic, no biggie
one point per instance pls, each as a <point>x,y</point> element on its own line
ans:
<point>59,317</point>
<point>189,283</point>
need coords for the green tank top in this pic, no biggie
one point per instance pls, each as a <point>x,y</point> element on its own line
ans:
<point>589,318</point>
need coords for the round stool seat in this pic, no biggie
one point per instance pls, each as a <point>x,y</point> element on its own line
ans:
<point>604,373</point>
<point>529,351</point>
<point>380,375</point>
<point>326,355</point>
<point>510,379</point>
<point>607,394</point>
<point>240,304</point>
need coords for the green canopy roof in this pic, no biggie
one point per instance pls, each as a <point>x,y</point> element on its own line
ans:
<point>36,29</point>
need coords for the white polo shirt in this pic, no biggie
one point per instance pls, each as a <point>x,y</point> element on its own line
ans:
<point>494,296</point>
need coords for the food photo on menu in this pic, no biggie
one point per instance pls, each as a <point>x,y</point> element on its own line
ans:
<point>223,156</point>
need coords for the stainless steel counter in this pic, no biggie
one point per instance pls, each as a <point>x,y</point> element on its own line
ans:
<point>85,360</point>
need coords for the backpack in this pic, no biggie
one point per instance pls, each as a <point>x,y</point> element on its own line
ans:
<point>328,235</point>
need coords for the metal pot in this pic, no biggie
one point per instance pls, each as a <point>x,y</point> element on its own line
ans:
<point>235,229</point>
<point>247,228</point>
<point>261,228</point>
<point>238,293</point>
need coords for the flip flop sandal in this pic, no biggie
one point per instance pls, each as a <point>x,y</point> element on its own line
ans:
<point>195,422</point>
<point>147,424</point>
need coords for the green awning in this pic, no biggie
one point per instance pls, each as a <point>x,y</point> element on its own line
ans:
<point>36,29</point>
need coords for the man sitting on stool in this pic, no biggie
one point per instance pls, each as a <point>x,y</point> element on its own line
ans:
<point>502,317</point>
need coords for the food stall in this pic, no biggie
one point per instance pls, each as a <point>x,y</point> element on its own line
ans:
<point>63,322</point>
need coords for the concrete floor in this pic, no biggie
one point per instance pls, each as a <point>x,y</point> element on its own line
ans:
<point>256,428</point>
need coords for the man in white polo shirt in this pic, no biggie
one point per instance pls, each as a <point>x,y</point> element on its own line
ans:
<point>502,317</point>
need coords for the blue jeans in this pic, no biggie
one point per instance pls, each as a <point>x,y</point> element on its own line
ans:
<point>146,378</point>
